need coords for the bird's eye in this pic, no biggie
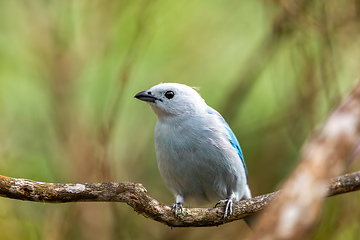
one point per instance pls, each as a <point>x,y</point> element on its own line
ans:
<point>169,94</point>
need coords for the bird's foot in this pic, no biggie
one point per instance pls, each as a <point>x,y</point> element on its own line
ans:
<point>176,206</point>
<point>228,206</point>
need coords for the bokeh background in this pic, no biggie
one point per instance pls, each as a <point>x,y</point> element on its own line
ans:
<point>69,71</point>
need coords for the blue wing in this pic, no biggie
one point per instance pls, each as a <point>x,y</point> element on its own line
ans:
<point>233,140</point>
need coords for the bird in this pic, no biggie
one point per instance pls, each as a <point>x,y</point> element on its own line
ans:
<point>198,155</point>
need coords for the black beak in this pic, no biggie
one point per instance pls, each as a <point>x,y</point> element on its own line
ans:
<point>145,96</point>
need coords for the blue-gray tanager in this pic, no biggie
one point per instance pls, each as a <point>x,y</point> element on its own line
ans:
<point>198,155</point>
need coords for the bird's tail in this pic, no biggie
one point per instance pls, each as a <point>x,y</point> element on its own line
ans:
<point>251,219</point>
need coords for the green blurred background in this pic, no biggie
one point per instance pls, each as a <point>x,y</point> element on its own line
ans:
<point>69,71</point>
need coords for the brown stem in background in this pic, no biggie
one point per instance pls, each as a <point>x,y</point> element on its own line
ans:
<point>107,127</point>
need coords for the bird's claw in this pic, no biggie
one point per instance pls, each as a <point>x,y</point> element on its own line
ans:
<point>228,206</point>
<point>176,206</point>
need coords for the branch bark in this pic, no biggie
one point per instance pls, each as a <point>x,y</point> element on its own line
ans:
<point>136,196</point>
<point>298,210</point>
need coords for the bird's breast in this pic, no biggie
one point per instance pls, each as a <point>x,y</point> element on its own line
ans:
<point>196,162</point>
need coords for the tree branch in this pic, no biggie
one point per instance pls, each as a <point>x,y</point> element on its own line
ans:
<point>296,214</point>
<point>136,196</point>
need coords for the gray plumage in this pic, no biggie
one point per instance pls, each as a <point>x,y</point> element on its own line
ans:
<point>199,157</point>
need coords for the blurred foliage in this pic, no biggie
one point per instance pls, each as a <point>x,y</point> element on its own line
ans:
<point>69,71</point>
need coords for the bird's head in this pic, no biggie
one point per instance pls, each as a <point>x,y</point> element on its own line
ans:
<point>173,99</point>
